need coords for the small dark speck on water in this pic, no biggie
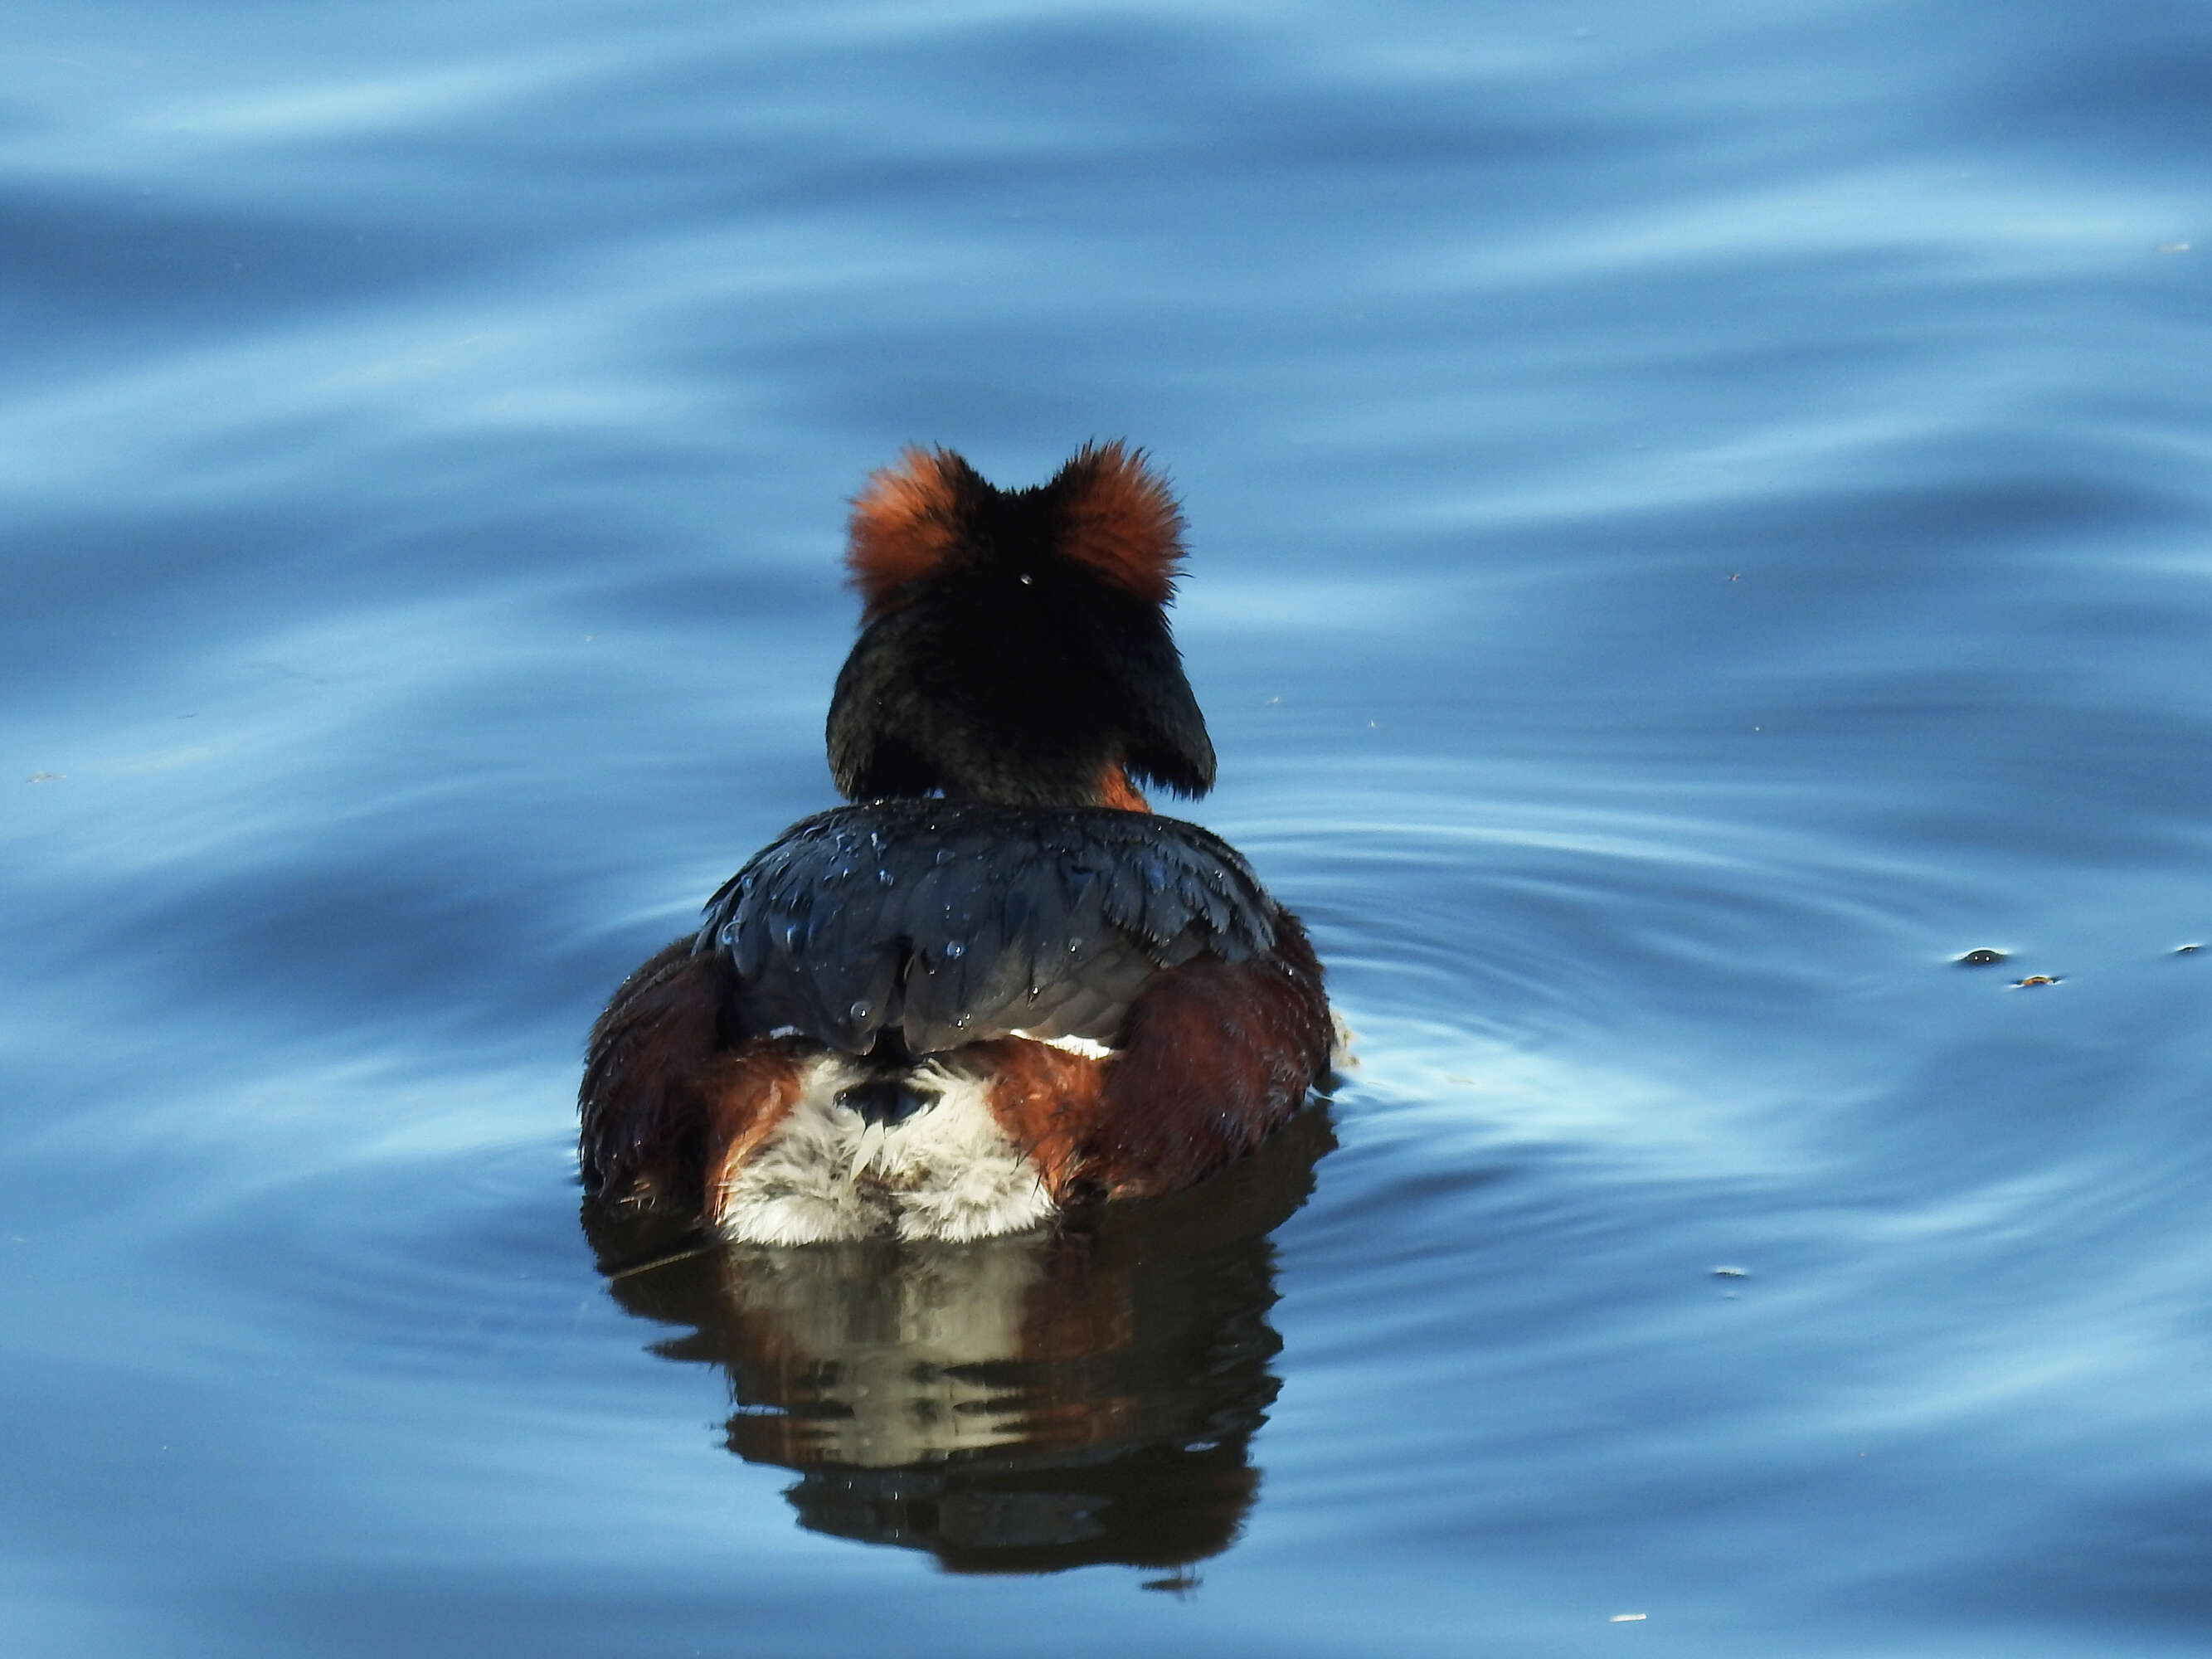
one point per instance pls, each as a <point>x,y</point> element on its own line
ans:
<point>2187,950</point>
<point>1731,1273</point>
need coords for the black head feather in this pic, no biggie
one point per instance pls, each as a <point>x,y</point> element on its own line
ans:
<point>1015,645</point>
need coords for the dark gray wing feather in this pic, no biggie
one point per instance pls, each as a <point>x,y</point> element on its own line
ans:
<point>945,923</point>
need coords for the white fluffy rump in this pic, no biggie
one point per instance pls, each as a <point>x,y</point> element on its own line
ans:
<point>947,1172</point>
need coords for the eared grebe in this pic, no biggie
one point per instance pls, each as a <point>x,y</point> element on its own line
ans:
<point>999,986</point>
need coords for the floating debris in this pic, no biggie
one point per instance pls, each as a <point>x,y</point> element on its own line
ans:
<point>1627,1618</point>
<point>2034,978</point>
<point>2187,950</point>
<point>1983,957</point>
<point>1731,1273</point>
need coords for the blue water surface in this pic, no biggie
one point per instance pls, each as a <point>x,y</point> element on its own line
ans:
<point>1700,516</point>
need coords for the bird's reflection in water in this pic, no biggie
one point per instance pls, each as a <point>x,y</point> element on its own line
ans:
<point>1018,1405</point>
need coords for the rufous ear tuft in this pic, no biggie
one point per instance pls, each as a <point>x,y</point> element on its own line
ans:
<point>1119,517</point>
<point>905,522</point>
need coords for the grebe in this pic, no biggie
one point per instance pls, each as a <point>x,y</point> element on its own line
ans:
<point>999,987</point>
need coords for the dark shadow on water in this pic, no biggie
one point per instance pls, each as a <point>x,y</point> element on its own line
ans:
<point>1012,1406</point>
